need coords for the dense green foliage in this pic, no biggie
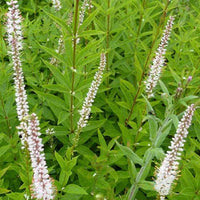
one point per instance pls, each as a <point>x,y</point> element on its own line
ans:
<point>112,151</point>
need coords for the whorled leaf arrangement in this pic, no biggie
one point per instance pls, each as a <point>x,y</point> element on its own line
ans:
<point>168,170</point>
<point>159,60</point>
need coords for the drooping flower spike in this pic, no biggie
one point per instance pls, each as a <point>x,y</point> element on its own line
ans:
<point>159,60</point>
<point>168,170</point>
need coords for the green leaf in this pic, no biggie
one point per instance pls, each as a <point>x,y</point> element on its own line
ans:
<point>158,153</point>
<point>55,100</point>
<point>59,21</point>
<point>94,125</point>
<point>3,171</point>
<point>14,196</point>
<point>60,160</point>
<point>153,126</point>
<point>75,189</point>
<point>4,190</point>
<point>63,116</point>
<point>163,87</point>
<point>88,20</point>
<point>4,149</point>
<point>130,154</point>
<point>146,185</point>
<point>127,89</point>
<point>102,140</point>
<point>91,32</point>
<point>58,75</point>
<point>118,111</point>
<point>56,87</point>
<point>163,132</point>
<point>127,137</point>
<point>86,153</point>
<point>52,52</point>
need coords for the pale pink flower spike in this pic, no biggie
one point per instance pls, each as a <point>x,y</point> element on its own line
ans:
<point>42,183</point>
<point>15,37</point>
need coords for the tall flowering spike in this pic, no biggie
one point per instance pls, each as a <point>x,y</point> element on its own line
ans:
<point>15,43</point>
<point>42,183</point>
<point>159,60</point>
<point>86,108</point>
<point>56,4</point>
<point>168,170</point>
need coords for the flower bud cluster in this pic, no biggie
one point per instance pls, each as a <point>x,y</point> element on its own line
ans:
<point>159,60</point>
<point>168,170</point>
<point>42,184</point>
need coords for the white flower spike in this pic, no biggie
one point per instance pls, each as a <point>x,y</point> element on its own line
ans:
<point>159,60</point>
<point>168,170</point>
<point>86,108</point>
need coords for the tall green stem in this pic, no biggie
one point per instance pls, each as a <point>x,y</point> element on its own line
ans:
<point>135,187</point>
<point>73,66</point>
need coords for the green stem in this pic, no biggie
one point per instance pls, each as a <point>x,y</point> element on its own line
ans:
<point>73,67</point>
<point>135,187</point>
<point>75,140</point>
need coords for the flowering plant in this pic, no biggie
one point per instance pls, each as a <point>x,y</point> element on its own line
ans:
<point>83,116</point>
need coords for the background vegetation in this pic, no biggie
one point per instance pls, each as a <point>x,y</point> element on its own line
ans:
<point>112,151</point>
